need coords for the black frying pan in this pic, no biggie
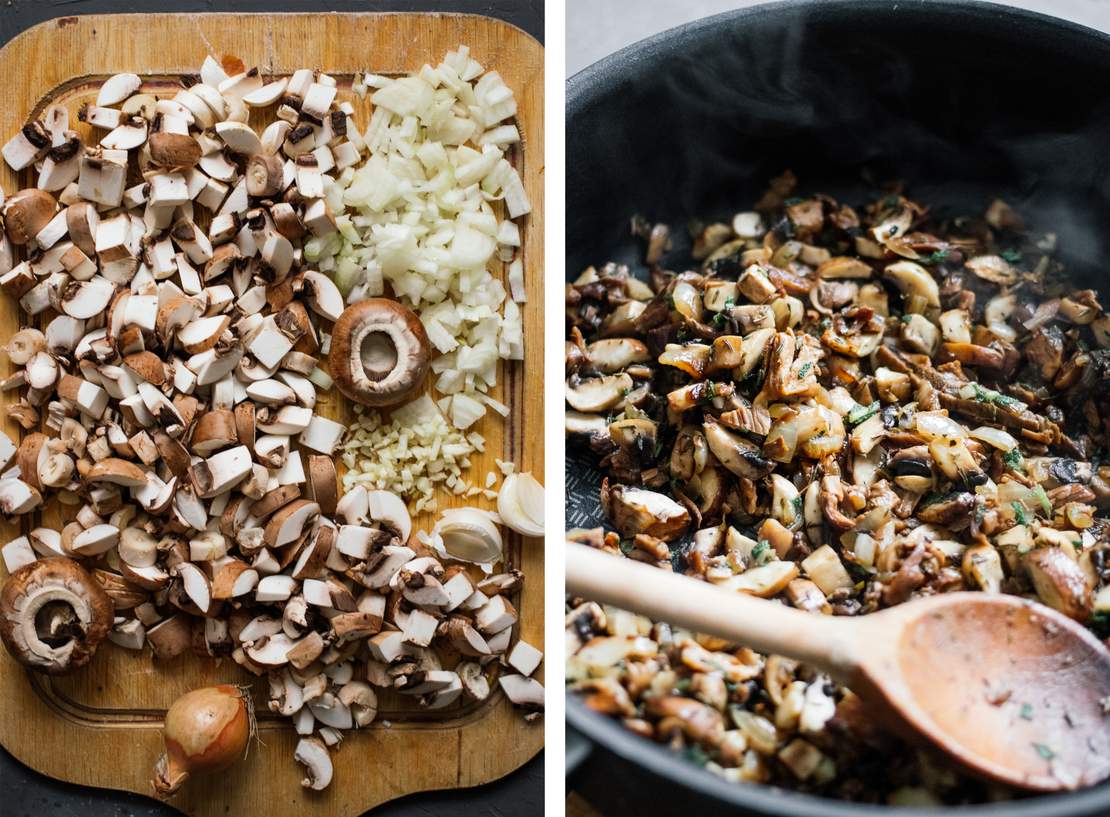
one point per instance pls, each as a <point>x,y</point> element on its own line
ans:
<point>963,100</point>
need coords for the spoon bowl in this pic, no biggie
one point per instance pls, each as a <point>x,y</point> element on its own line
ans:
<point>1011,689</point>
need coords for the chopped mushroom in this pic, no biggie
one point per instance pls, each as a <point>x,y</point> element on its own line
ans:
<point>195,300</point>
<point>841,408</point>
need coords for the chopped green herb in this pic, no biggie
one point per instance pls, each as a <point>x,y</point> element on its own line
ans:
<point>1013,459</point>
<point>682,685</point>
<point>627,546</point>
<point>681,334</point>
<point>798,502</point>
<point>806,367</point>
<point>719,320</point>
<point>935,258</point>
<point>696,754</point>
<point>825,324</point>
<point>657,450</point>
<point>862,413</point>
<point>931,498</point>
<point>730,302</point>
<point>760,549</point>
<point>1044,751</point>
<point>1100,623</point>
<point>1012,256</point>
<point>990,396</point>
<point>1027,711</point>
<point>1040,495</point>
<point>905,318</point>
<point>1019,513</point>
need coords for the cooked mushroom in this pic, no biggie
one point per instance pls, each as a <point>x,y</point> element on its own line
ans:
<point>379,353</point>
<point>53,615</point>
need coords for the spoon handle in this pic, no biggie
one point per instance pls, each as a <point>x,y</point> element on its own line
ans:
<point>824,642</point>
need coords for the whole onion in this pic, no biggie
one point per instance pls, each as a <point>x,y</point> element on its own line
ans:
<point>206,730</point>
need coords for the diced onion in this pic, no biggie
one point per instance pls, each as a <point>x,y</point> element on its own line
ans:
<point>1000,439</point>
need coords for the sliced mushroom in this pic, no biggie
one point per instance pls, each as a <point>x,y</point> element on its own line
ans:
<point>635,510</point>
<point>313,754</point>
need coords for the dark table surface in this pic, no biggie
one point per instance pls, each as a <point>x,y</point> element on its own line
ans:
<point>29,794</point>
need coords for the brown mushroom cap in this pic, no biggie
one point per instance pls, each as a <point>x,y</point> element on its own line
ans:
<point>173,150</point>
<point>379,352</point>
<point>27,212</point>
<point>53,614</point>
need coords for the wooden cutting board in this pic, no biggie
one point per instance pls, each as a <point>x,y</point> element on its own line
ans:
<point>100,727</point>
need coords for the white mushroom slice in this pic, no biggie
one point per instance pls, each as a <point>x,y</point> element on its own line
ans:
<point>522,691</point>
<point>496,615</point>
<point>275,588</point>
<point>202,334</point>
<point>287,420</point>
<point>192,241</point>
<point>85,299</point>
<point>272,650</point>
<point>221,472</point>
<point>289,523</point>
<point>168,190</point>
<point>444,697</point>
<point>239,138</point>
<point>25,148</point>
<point>277,253</point>
<point>195,584</point>
<point>272,392</point>
<point>273,137</point>
<point>419,628</point>
<point>270,345</point>
<point>388,508</point>
<point>129,634</point>
<point>355,541</point>
<point>95,540</point>
<point>268,94</point>
<point>313,754</point>
<point>102,180</point>
<point>17,553</point>
<point>196,106</point>
<point>524,658</point>
<point>598,393</point>
<point>914,280</point>
<point>189,509</point>
<point>323,435</point>
<point>323,295</point>
<point>211,366</point>
<point>127,136</point>
<point>42,371</point>
<point>212,73</point>
<point>212,98</point>
<point>137,547</point>
<point>319,220</point>
<point>474,682</point>
<point>117,88</point>
<point>241,84</point>
<point>394,558</point>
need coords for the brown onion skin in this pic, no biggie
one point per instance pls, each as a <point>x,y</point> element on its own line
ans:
<point>206,730</point>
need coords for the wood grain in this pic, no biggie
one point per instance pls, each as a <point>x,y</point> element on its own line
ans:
<point>101,726</point>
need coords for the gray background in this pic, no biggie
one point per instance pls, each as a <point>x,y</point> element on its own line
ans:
<point>596,28</point>
<point>24,793</point>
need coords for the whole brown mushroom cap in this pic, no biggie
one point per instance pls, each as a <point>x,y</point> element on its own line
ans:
<point>87,613</point>
<point>382,323</point>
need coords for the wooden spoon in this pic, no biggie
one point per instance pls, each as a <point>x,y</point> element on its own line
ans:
<point>1012,690</point>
